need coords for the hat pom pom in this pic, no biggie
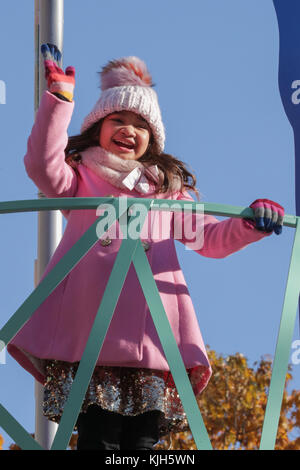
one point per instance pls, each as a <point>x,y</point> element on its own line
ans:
<point>125,71</point>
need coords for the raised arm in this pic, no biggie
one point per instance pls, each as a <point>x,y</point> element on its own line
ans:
<point>45,157</point>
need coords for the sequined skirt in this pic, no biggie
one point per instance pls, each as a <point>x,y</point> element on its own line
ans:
<point>124,390</point>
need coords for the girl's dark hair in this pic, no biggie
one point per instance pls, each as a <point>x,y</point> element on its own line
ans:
<point>169,165</point>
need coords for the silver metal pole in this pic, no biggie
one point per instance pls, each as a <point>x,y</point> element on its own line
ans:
<point>48,28</point>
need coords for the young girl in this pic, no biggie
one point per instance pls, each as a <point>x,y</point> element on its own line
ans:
<point>131,400</point>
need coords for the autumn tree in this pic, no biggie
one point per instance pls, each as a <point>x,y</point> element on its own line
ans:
<point>233,407</point>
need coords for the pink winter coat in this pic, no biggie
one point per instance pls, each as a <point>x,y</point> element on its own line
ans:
<point>60,327</point>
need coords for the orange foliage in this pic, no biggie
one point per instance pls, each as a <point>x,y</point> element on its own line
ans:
<point>233,407</point>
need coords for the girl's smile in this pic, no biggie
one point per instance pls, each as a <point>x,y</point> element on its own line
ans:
<point>125,134</point>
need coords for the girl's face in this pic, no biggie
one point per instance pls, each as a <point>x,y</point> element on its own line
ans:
<point>125,134</point>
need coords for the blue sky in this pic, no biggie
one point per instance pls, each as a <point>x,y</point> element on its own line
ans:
<point>215,66</point>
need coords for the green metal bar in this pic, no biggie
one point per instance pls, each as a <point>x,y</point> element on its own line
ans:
<point>92,203</point>
<point>48,284</point>
<point>46,204</point>
<point>51,281</point>
<point>171,350</point>
<point>283,347</point>
<point>21,437</point>
<point>151,293</point>
<point>95,340</point>
<point>77,203</point>
<point>226,210</point>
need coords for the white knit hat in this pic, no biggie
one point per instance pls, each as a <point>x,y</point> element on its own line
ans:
<point>126,85</point>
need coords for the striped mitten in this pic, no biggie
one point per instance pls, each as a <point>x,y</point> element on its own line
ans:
<point>268,216</point>
<point>59,83</point>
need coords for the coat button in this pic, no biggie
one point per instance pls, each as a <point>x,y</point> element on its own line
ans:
<point>106,241</point>
<point>146,246</point>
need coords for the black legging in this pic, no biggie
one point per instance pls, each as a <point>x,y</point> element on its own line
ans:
<point>100,429</point>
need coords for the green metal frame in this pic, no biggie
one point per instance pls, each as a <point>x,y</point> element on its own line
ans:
<point>131,250</point>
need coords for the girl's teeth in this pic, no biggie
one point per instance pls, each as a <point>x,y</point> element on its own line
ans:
<point>121,144</point>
